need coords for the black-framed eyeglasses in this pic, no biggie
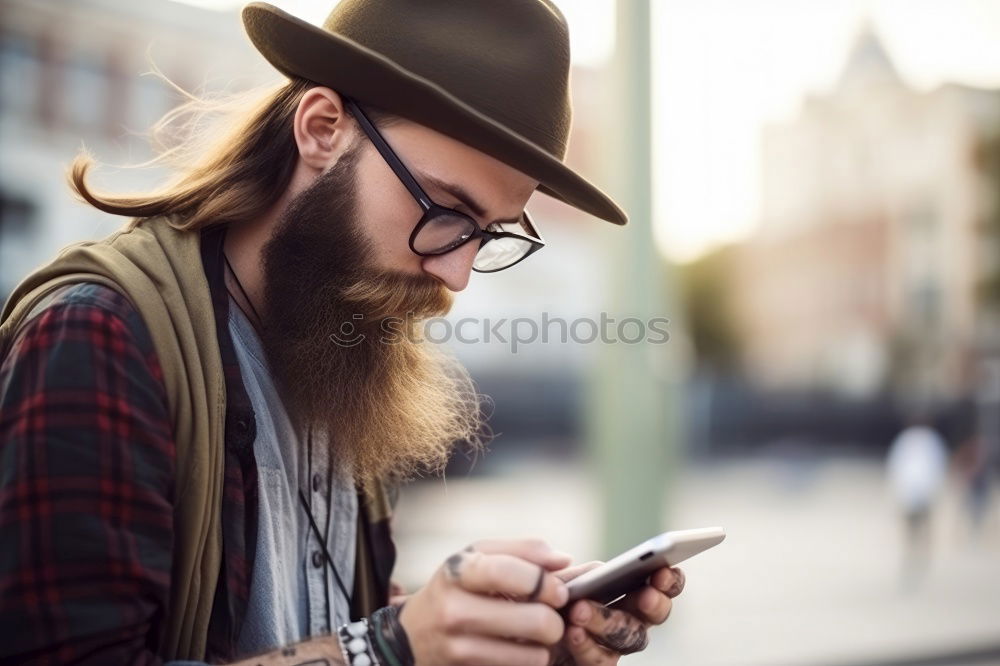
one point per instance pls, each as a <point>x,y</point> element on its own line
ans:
<point>441,230</point>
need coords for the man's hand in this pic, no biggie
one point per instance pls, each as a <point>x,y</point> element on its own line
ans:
<point>464,614</point>
<point>599,635</point>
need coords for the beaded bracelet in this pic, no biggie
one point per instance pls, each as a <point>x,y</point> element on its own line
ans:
<point>356,644</point>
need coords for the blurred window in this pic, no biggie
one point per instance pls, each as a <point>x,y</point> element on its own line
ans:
<point>922,245</point>
<point>925,304</point>
<point>18,227</point>
<point>20,74</point>
<point>17,215</point>
<point>85,103</point>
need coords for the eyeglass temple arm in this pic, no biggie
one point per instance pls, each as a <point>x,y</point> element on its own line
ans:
<point>389,155</point>
<point>400,169</point>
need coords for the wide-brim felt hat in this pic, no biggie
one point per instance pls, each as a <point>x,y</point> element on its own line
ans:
<point>493,74</point>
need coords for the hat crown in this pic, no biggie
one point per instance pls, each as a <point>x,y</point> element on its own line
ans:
<point>508,59</point>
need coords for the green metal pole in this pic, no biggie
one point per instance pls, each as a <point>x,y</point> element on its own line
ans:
<point>632,420</point>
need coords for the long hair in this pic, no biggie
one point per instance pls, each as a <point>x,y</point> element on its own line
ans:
<point>219,176</point>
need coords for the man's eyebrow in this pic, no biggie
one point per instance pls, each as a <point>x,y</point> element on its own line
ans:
<point>463,195</point>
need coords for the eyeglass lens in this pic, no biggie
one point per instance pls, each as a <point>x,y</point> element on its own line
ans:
<point>500,253</point>
<point>442,233</point>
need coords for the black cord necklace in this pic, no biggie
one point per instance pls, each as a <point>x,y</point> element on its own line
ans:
<point>322,545</point>
<point>302,497</point>
<point>239,285</point>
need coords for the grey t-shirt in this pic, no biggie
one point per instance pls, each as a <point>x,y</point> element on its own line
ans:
<point>293,593</point>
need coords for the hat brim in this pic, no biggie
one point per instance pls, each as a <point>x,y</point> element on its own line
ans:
<point>298,48</point>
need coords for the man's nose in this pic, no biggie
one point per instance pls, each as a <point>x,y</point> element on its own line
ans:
<point>454,267</point>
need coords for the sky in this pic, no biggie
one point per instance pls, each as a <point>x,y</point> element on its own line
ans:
<point>724,68</point>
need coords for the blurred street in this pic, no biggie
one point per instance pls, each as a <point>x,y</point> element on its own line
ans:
<point>810,571</point>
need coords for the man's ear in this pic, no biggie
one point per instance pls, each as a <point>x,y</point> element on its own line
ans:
<point>323,129</point>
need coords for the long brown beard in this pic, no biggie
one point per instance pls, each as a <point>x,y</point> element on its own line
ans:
<point>394,407</point>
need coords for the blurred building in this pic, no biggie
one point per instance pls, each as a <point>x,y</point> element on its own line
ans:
<point>71,75</point>
<point>863,276</point>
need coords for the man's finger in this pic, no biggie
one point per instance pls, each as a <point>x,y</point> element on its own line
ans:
<point>585,650</point>
<point>507,575</point>
<point>669,580</point>
<point>648,604</point>
<point>485,651</point>
<point>484,616</point>
<point>615,629</point>
<point>533,550</point>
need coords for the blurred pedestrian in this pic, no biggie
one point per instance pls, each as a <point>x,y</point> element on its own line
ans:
<point>972,464</point>
<point>916,466</point>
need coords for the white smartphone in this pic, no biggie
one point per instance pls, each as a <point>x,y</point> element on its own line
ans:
<point>628,571</point>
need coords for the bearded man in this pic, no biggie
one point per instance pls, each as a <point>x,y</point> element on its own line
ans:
<point>198,453</point>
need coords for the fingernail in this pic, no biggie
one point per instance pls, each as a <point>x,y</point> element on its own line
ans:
<point>577,637</point>
<point>675,589</point>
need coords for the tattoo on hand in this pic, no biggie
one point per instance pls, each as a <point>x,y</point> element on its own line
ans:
<point>628,636</point>
<point>453,565</point>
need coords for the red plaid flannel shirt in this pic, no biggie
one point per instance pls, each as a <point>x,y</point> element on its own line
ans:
<point>87,484</point>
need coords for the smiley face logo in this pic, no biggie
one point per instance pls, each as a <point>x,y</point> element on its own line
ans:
<point>347,335</point>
